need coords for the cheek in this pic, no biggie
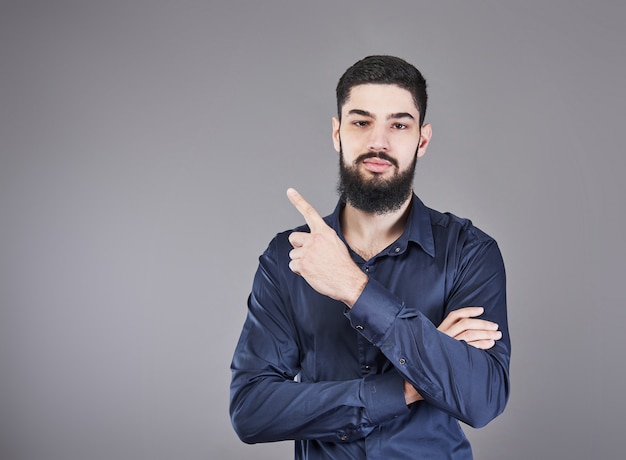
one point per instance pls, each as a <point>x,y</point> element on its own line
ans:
<point>408,155</point>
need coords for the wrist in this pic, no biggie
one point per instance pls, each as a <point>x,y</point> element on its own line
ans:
<point>356,288</point>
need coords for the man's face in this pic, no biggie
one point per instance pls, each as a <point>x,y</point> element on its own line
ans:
<point>379,140</point>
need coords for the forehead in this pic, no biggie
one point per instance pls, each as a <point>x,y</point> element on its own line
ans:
<point>380,99</point>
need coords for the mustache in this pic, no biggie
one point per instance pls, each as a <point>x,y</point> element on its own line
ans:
<point>381,155</point>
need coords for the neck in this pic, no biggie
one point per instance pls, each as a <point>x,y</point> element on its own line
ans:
<point>368,234</point>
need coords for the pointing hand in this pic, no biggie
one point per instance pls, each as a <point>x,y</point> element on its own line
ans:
<point>321,258</point>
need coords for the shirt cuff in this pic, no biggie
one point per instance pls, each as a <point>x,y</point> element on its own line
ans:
<point>384,397</point>
<point>374,312</point>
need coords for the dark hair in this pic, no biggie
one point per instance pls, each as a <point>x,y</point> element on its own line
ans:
<point>387,70</point>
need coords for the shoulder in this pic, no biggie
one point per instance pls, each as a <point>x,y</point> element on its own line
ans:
<point>466,249</point>
<point>458,239</point>
<point>449,225</point>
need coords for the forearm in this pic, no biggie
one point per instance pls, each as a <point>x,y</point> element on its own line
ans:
<point>468,383</point>
<point>275,410</point>
<point>270,408</point>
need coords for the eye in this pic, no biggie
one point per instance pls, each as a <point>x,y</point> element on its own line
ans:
<point>360,123</point>
<point>400,126</point>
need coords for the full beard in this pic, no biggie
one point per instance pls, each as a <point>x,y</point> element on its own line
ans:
<point>375,195</point>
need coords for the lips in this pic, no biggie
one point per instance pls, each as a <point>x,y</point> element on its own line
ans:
<point>377,165</point>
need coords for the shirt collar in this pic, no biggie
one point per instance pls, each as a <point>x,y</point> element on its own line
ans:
<point>418,228</point>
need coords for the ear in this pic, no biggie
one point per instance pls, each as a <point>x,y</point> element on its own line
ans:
<point>336,138</point>
<point>425,135</point>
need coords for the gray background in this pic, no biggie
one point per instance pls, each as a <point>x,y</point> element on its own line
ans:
<point>145,150</point>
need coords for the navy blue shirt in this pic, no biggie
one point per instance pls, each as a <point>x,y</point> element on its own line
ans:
<point>309,369</point>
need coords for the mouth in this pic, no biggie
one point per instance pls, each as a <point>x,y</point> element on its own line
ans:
<point>377,162</point>
<point>377,165</point>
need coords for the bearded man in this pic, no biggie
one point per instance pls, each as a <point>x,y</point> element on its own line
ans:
<point>373,331</point>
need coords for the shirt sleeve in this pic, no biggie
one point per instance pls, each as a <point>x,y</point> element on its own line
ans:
<point>470,384</point>
<point>268,404</point>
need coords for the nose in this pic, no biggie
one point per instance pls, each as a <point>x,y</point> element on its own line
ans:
<point>378,140</point>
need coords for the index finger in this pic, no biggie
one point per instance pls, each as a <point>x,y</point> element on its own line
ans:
<point>311,216</point>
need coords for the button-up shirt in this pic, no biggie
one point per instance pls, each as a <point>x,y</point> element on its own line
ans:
<point>309,369</point>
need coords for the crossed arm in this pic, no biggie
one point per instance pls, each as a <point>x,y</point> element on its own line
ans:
<point>322,259</point>
<point>468,383</point>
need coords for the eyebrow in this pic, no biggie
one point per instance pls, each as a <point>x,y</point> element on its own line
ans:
<point>393,116</point>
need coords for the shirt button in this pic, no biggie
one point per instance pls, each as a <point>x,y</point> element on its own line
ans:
<point>402,361</point>
<point>366,269</point>
<point>344,437</point>
<point>397,249</point>
<point>359,327</point>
